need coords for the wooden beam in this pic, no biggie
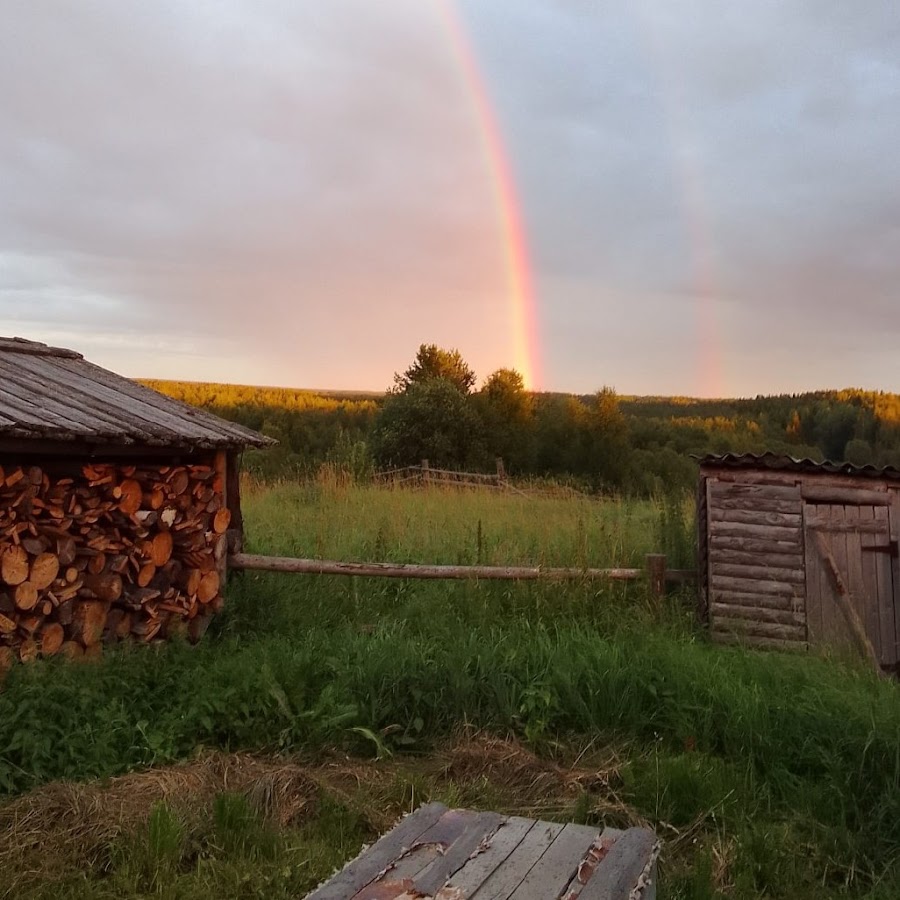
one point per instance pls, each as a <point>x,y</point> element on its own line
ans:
<point>758,517</point>
<point>411,570</point>
<point>848,496</point>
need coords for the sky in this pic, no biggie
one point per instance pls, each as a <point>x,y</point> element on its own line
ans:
<point>700,198</point>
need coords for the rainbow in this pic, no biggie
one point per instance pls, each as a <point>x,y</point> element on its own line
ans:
<point>696,218</point>
<point>523,307</point>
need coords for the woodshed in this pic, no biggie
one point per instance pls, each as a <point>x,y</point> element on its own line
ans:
<point>118,507</point>
<point>794,553</point>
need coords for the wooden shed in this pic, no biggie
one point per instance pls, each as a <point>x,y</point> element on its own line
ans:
<point>794,553</point>
<point>118,506</point>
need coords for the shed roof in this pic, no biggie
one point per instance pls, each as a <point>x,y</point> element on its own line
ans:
<point>784,463</point>
<point>54,394</point>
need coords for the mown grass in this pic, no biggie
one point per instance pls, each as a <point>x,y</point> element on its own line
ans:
<point>769,775</point>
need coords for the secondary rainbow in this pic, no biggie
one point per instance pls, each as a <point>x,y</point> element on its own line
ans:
<point>523,308</point>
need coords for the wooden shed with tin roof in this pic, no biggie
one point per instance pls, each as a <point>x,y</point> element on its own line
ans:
<point>118,506</point>
<point>795,553</point>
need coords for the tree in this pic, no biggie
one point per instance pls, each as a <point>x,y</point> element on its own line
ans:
<point>507,411</point>
<point>433,362</point>
<point>429,420</point>
<point>608,446</point>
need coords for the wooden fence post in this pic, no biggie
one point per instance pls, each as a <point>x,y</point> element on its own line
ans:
<point>656,572</point>
<point>501,470</point>
<point>426,474</point>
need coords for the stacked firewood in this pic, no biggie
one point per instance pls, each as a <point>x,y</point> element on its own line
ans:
<point>107,553</point>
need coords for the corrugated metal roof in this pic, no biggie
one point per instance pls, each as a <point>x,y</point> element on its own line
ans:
<point>54,394</point>
<point>784,463</point>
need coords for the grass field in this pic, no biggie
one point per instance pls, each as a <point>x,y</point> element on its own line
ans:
<point>767,775</point>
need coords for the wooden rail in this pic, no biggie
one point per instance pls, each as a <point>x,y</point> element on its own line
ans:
<point>656,570</point>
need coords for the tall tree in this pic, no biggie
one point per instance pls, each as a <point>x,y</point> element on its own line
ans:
<point>429,420</point>
<point>507,411</point>
<point>433,362</point>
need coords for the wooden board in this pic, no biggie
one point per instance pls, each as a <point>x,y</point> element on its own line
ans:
<point>751,516</point>
<point>855,496</point>
<point>559,865</point>
<point>755,613</point>
<point>507,837</point>
<point>856,541</point>
<point>459,854</point>
<point>759,532</point>
<point>723,488</point>
<point>365,868</point>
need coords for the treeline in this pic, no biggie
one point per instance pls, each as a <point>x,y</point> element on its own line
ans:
<point>603,442</point>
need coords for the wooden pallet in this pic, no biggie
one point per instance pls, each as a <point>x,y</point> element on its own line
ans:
<point>453,854</point>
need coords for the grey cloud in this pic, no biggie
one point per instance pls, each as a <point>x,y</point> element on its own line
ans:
<point>306,184</point>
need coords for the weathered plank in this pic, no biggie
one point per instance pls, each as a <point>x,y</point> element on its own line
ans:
<point>757,545</point>
<point>887,587</point>
<point>756,517</point>
<point>815,587</point>
<point>761,601</point>
<point>559,864</point>
<point>765,532</point>
<point>629,866</point>
<point>792,561</point>
<point>889,572</point>
<point>747,478</point>
<point>586,868</point>
<point>366,867</point>
<point>412,570</point>
<point>760,629</point>
<point>787,479</point>
<point>758,614</point>
<point>478,828</point>
<point>827,522</point>
<point>742,640</point>
<point>754,586</point>
<point>760,504</point>
<point>862,595</point>
<point>720,489</point>
<point>764,573</point>
<point>504,880</point>
<point>507,837</point>
<point>834,495</point>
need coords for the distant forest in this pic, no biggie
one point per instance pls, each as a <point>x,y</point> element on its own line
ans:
<point>602,442</point>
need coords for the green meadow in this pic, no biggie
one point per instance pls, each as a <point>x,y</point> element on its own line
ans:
<point>320,708</point>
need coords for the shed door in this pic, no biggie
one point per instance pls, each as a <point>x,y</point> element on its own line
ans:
<point>851,544</point>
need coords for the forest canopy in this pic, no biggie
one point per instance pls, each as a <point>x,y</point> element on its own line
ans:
<point>435,409</point>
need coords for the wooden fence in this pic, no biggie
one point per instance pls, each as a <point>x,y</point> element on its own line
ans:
<point>655,573</point>
<point>425,474</point>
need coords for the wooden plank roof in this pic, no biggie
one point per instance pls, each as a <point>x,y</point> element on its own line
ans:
<point>53,394</point>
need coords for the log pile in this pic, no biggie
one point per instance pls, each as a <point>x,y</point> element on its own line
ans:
<point>107,552</point>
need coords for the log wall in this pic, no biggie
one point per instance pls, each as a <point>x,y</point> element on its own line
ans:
<point>755,563</point>
<point>101,552</point>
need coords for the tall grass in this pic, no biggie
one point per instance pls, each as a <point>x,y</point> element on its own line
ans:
<point>330,519</point>
<point>788,767</point>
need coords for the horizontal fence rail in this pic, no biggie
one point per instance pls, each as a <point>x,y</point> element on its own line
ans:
<point>655,570</point>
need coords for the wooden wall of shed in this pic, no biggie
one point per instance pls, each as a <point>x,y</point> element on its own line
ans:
<point>753,530</point>
<point>755,562</point>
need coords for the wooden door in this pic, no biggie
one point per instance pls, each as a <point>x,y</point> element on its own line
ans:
<point>849,577</point>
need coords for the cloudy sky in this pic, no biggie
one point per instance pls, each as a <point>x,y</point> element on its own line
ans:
<point>300,192</point>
